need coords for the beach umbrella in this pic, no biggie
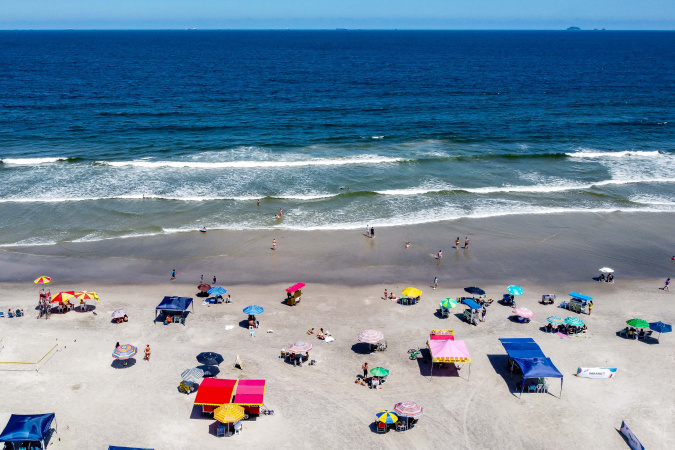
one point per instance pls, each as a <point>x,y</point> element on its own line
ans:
<point>209,371</point>
<point>638,323</point>
<point>448,303</point>
<point>386,416</point>
<point>515,290</point>
<point>253,310</point>
<point>474,290</point>
<point>193,375</point>
<point>125,351</point>
<point>574,321</point>
<point>300,347</point>
<point>370,336</point>
<point>379,372</point>
<point>606,270</point>
<point>660,327</point>
<point>217,290</point>
<point>204,287</point>
<point>42,280</point>
<point>523,312</point>
<point>63,296</point>
<point>119,313</point>
<point>556,320</point>
<point>87,295</point>
<point>408,409</point>
<point>210,358</point>
<point>411,292</point>
<point>228,413</point>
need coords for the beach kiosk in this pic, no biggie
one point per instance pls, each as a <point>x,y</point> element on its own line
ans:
<point>21,429</point>
<point>249,394</point>
<point>293,294</point>
<point>579,303</point>
<point>213,393</point>
<point>445,349</point>
<point>526,356</point>
<point>471,315</point>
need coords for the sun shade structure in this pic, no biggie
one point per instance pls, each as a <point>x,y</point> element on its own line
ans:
<point>580,296</point>
<point>215,392</point>
<point>370,336</point>
<point>537,368</point>
<point>638,323</point>
<point>574,321</point>
<point>217,290</point>
<point>300,347</point>
<point>472,304</point>
<point>474,290</point>
<point>27,428</point>
<point>228,413</point>
<point>250,392</point>
<point>295,287</point>
<point>449,351</point>
<point>523,312</point>
<point>411,292</point>
<point>210,358</point>
<point>193,375</point>
<point>125,351</point>
<point>174,304</point>
<point>515,290</point>
<point>379,372</point>
<point>442,335</point>
<point>607,270</point>
<point>448,303</point>
<point>119,313</point>
<point>42,280</point>
<point>386,416</point>
<point>660,327</point>
<point>204,287</point>
<point>63,296</point>
<point>522,348</point>
<point>87,295</point>
<point>254,310</point>
<point>556,320</point>
<point>408,409</point>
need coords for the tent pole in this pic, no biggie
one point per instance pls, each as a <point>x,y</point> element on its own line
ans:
<point>469,372</point>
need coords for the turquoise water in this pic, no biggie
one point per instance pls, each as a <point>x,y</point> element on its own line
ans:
<point>117,134</point>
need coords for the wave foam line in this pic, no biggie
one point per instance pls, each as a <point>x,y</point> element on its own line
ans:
<point>31,161</point>
<point>627,153</point>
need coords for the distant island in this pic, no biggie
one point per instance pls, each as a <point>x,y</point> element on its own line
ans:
<point>574,29</point>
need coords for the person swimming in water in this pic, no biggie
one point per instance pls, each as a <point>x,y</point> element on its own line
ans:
<point>203,229</point>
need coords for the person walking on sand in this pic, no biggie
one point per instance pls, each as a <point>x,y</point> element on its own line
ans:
<point>439,255</point>
<point>372,232</point>
<point>173,275</point>
<point>483,313</point>
<point>590,307</point>
<point>435,282</point>
<point>457,242</point>
<point>274,244</point>
<point>666,287</point>
<point>201,279</point>
<point>386,294</point>
<point>147,352</point>
<point>466,242</point>
<point>365,370</point>
<point>367,230</point>
<point>214,279</point>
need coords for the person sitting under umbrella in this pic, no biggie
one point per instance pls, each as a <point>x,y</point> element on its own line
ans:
<point>602,277</point>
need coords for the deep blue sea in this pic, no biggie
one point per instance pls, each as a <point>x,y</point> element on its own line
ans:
<point>421,126</point>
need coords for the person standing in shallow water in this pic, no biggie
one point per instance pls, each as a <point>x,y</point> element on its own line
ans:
<point>274,244</point>
<point>372,232</point>
<point>466,242</point>
<point>457,242</point>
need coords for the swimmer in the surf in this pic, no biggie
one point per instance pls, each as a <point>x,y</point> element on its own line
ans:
<point>203,229</point>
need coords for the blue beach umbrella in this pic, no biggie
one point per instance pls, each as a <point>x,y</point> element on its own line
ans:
<point>660,327</point>
<point>556,320</point>
<point>574,321</point>
<point>515,290</point>
<point>253,310</point>
<point>217,290</point>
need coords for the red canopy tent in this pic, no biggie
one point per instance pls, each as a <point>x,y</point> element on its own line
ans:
<point>214,392</point>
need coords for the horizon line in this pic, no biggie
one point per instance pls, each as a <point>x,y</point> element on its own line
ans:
<point>332,29</point>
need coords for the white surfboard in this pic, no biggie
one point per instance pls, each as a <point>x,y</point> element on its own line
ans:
<point>596,372</point>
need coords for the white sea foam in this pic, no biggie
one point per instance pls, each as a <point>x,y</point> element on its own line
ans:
<point>254,164</point>
<point>31,161</point>
<point>622,154</point>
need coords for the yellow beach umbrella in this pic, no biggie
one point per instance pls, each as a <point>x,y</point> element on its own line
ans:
<point>412,292</point>
<point>62,297</point>
<point>42,280</point>
<point>228,413</point>
<point>87,295</point>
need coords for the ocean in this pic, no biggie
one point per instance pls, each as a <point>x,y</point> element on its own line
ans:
<point>108,134</point>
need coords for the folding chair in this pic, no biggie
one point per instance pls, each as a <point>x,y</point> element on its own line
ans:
<point>251,331</point>
<point>381,427</point>
<point>220,432</point>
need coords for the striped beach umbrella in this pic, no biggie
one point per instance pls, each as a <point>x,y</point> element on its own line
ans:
<point>412,292</point>
<point>42,280</point>
<point>87,295</point>
<point>370,336</point>
<point>386,416</point>
<point>119,313</point>
<point>217,290</point>
<point>193,375</point>
<point>300,347</point>
<point>638,323</point>
<point>448,303</point>
<point>228,413</point>
<point>379,372</point>
<point>574,321</point>
<point>125,351</point>
<point>515,290</point>
<point>253,310</point>
<point>556,320</point>
<point>63,296</point>
<point>523,312</point>
<point>408,409</point>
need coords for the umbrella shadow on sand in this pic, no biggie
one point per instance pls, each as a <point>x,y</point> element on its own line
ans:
<point>424,364</point>
<point>120,363</point>
<point>362,348</point>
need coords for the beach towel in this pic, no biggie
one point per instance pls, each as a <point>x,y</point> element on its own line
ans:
<point>228,327</point>
<point>561,335</point>
<point>329,339</point>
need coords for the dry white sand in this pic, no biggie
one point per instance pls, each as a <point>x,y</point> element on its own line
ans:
<point>97,405</point>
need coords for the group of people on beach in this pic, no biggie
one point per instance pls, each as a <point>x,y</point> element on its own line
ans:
<point>370,232</point>
<point>321,334</point>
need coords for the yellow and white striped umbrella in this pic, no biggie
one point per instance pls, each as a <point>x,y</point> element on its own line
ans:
<point>228,413</point>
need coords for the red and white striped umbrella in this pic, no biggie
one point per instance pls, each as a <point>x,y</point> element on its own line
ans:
<point>370,336</point>
<point>300,347</point>
<point>523,312</point>
<point>408,409</point>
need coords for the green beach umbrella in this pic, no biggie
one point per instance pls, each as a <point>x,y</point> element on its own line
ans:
<point>380,372</point>
<point>448,303</point>
<point>574,321</point>
<point>638,323</point>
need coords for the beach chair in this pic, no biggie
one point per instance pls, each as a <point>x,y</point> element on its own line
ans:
<point>381,427</point>
<point>251,331</point>
<point>220,431</point>
<point>531,388</point>
<point>2,314</point>
<point>624,332</point>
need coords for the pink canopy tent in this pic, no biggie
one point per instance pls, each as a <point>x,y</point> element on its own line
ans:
<point>447,351</point>
<point>295,287</point>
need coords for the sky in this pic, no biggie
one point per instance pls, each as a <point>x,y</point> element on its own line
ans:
<point>330,14</point>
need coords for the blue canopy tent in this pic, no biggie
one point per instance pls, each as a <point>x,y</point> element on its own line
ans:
<point>538,368</point>
<point>174,304</point>
<point>580,296</point>
<point>27,428</point>
<point>522,348</point>
<point>472,304</point>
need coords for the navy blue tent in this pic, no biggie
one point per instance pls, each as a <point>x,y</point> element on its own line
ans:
<point>27,428</point>
<point>538,368</point>
<point>522,348</point>
<point>174,304</point>
<point>113,447</point>
<point>471,304</point>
